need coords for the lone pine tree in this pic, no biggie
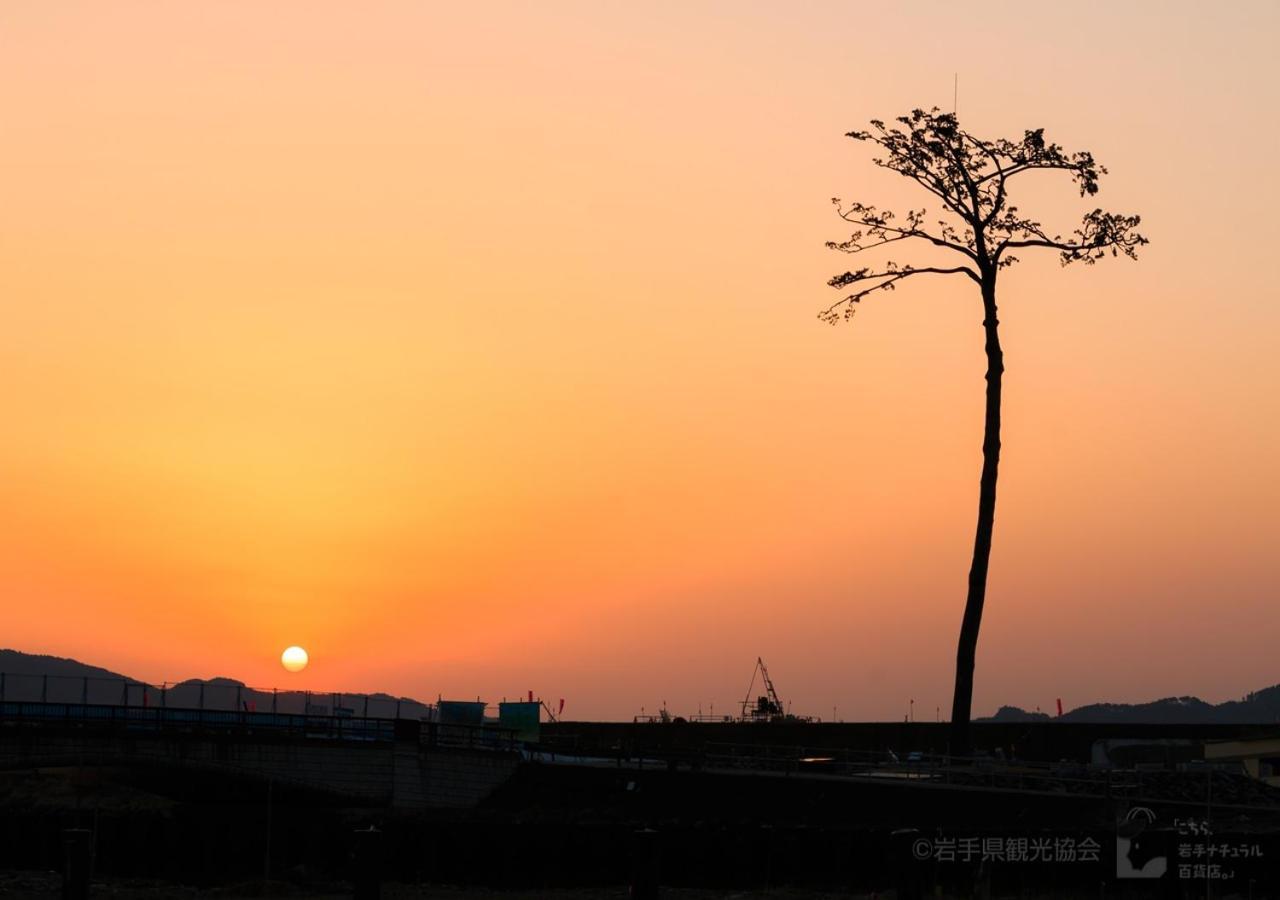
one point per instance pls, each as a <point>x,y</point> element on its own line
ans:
<point>978,228</point>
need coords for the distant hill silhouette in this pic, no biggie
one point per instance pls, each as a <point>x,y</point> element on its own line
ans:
<point>1014,714</point>
<point>24,673</point>
<point>14,662</point>
<point>1257,708</point>
<point>25,680</point>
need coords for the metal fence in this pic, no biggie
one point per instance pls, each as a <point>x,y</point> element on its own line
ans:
<point>213,695</point>
<point>225,707</point>
<point>155,719</point>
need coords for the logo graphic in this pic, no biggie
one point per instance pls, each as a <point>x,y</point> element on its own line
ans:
<point>1140,851</point>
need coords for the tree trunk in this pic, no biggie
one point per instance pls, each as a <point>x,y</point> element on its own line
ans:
<point>961,744</point>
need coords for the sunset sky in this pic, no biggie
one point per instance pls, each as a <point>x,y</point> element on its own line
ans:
<point>473,347</point>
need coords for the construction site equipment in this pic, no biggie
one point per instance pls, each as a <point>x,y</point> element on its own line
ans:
<point>766,707</point>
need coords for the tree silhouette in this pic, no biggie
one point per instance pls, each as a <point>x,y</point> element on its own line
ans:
<point>970,178</point>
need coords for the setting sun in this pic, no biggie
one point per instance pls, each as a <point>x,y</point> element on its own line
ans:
<point>294,659</point>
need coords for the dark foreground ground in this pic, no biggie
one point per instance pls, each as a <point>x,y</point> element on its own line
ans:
<point>41,885</point>
<point>558,833</point>
<point>48,884</point>
<point>723,816</point>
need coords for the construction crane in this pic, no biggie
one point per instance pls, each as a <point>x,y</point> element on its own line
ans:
<point>766,707</point>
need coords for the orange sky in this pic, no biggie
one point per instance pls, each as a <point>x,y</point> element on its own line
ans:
<point>474,349</point>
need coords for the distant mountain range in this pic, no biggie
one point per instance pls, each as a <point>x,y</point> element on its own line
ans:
<point>1257,708</point>
<point>70,681</point>
<point>32,677</point>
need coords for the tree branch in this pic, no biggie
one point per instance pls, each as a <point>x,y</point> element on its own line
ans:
<point>891,275</point>
<point>1099,232</point>
<point>877,225</point>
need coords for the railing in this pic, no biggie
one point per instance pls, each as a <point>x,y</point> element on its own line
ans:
<point>139,719</point>
<point>217,694</point>
<point>156,719</point>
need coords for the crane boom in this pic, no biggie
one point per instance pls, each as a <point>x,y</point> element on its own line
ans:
<point>764,708</point>
<point>768,684</point>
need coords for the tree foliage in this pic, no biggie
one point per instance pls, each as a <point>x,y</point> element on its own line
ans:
<point>970,179</point>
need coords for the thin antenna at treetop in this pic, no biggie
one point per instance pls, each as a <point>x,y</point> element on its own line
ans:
<point>955,95</point>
